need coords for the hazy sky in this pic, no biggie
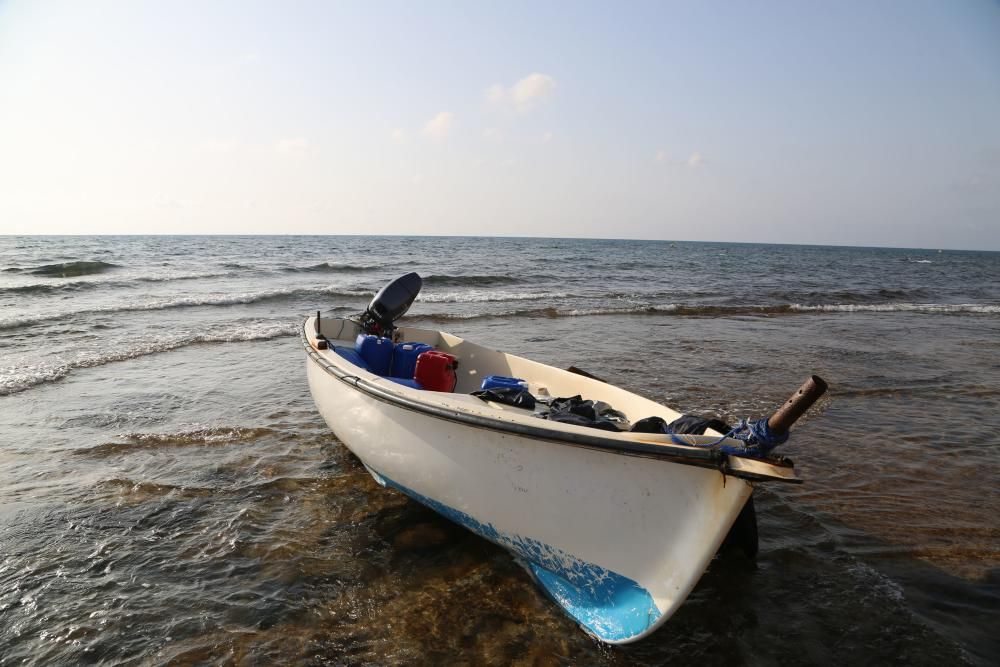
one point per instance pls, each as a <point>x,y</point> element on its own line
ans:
<point>869,123</point>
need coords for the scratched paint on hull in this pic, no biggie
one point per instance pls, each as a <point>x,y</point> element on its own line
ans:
<point>608,605</point>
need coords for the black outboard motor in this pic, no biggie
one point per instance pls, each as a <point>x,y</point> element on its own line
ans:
<point>391,303</point>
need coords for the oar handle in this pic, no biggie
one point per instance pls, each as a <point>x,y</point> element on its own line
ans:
<point>796,405</point>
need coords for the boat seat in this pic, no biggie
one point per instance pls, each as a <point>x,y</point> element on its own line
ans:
<point>351,355</point>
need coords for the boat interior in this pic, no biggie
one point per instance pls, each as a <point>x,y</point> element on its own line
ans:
<point>475,362</point>
<point>336,340</point>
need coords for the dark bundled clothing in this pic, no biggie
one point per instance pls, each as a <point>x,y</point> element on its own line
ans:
<point>514,396</point>
<point>598,414</point>
<point>650,425</point>
<point>686,424</point>
<point>594,414</point>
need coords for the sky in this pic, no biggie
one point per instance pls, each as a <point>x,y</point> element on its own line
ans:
<point>844,123</point>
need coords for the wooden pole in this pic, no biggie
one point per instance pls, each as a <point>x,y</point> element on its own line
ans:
<point>796,405</point>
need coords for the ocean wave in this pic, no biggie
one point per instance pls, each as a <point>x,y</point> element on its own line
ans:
<point>690,310</point>
<point>71,269</point>
<point>549,312</point>
<point>879,296</point>
<point>465,281</point>
<point>331,267</point>
<point>483,297</point>
<point>19,378</point>
<point>180,276</point>
<point>78,285</point>
<point>721,311</point>
<point>49,288</point>
<point>929,308</point>
<point>189,302</point>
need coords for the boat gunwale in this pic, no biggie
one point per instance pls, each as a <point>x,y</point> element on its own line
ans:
<point>702,457</point>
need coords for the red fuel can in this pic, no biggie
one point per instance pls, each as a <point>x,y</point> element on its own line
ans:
<point>435,371</point>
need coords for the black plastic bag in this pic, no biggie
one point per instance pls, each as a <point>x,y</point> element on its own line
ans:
<point>518,398</point>
<point>594,414</point>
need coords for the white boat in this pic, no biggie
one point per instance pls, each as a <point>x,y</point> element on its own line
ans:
<point>617,527</point>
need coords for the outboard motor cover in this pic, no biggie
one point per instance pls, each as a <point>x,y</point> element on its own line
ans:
<point>391,303</point>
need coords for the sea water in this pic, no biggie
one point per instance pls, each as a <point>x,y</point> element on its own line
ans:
<point>168,492</point>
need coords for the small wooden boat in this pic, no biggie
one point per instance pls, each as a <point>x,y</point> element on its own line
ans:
<point>617,527</point>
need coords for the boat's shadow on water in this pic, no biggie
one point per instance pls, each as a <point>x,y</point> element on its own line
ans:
<point>821,593</point>
<point>442,595</point>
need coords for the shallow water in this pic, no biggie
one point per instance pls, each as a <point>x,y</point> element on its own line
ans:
<point>171,495</point>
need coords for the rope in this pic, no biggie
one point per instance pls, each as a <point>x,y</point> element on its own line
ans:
<point>756,436</point>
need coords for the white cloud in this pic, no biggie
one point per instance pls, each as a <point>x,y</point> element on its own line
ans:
<point>696,160</point>
<point>492,134</point>
<point>439,126</point>
<point>297,146</point>
<point>523,95</point>
<point>661,157</point>
<point>532,88</point>
<point>398,135</point>
<point>547,137</point>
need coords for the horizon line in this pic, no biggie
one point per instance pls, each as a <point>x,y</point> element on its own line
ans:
<point>502,236</point>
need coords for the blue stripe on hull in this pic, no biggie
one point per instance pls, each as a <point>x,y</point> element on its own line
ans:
<point>610,606</point>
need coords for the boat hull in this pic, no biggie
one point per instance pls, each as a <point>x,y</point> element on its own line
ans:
<point>617,540</point>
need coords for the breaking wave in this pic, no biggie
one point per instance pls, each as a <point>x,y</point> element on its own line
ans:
<point>182,276</point>
<point>930,308</point>
<point>482,297</point>
<point>545,312</point>
<point>20,378</point>
<point>723,311</point>
<point>192,301</point>
<point>879,296</point>
<point>465,281</point>
<point>79,285</point>
<point>331,267</point>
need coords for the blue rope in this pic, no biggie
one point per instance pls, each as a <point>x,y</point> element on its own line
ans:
<point>756,436</point>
